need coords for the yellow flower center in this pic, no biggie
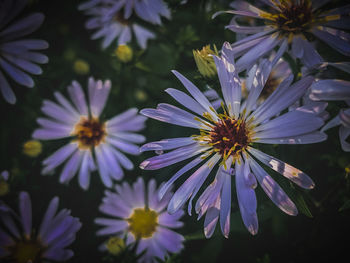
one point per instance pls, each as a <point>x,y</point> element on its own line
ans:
<point>115,245</point>
<point>143,222</point>
<point>26,251</point>
<point>89,132</point>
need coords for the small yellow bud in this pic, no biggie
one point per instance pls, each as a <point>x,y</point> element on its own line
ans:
<point>32,148</point>
<point>124,53</point>
<point>4,187</point>
<point>81,67</point>
<point>140,95</point>
<point>115,245</point>
<point>205,61</point>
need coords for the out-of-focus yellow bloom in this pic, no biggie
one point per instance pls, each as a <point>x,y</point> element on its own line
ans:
<point>205,61</point>
<point>32,148</point>
<point>4,187</point>
<point>124,53</point>
<point>347,169</point>
<point>115,245</point>
<point>140,95</point>
<point>81,67</point>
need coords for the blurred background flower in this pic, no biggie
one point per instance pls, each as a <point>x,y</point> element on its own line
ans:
<point>140,217</point>
<point>23,244</point>
<point>94,142</point>
<point>18,55</point>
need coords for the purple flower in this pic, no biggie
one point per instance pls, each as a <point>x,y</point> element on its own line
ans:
<point>226,138</point>
<point>112,19</point>
<point>56,232</point>
<point>18,56</point>
<point>139,216</point>
<point>333,90</point>
<point>290,23</point>
<point>93,140</point>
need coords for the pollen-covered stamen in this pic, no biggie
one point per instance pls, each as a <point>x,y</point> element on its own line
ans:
<point>229,136</point>
<point>295,16</point>
<point>89,132</point>
<point>143,222</point>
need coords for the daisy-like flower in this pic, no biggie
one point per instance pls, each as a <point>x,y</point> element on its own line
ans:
<point>335,90</point>
<point>93,140</point>
<point>19,243</point>
<point>18,56</point>
<point>112,19</point>
<point>293,23</point>
<point>139,216</point>
<point>226,139</point>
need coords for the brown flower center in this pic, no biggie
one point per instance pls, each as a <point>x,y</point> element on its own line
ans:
<point>229,136</point>
<point>119,17</point>
<point>89,132</point>
<point>295,16</point>
<point>25,251</point>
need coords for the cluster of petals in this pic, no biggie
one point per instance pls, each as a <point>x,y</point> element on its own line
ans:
<point>18,56</point>
<point>108,157</point>
<point>305,15</point>
<point>19,240</point>
<point>112,19</point>
<point>120,206</point>
<point>298,126</point>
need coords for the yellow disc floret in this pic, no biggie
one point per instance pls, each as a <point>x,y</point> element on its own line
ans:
<point>143,222</point>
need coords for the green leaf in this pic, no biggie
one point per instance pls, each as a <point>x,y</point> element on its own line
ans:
<point>302,206</point>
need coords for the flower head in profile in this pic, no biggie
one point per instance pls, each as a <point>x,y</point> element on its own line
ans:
<point>335,90</point>
<point>289,23</point>
<point>225,141</point>
<point>140,217</point>
<point>20,243</point>
<point>18,56</point>
<point>112,19</point>
<point>94,142</point>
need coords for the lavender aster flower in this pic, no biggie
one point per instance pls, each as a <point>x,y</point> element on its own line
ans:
<point>290,22</point>
<point>226,139</point>
<point>333,90</point>
<point>139,216</point>
<point>113,20</point>
<point>18,56</point>
<point>81,122</point>
<point>23,244</point>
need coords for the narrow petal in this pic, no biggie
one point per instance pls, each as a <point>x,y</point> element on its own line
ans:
<point>288,171</point>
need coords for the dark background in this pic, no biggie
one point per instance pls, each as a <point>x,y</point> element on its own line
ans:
<point>318,234</point>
